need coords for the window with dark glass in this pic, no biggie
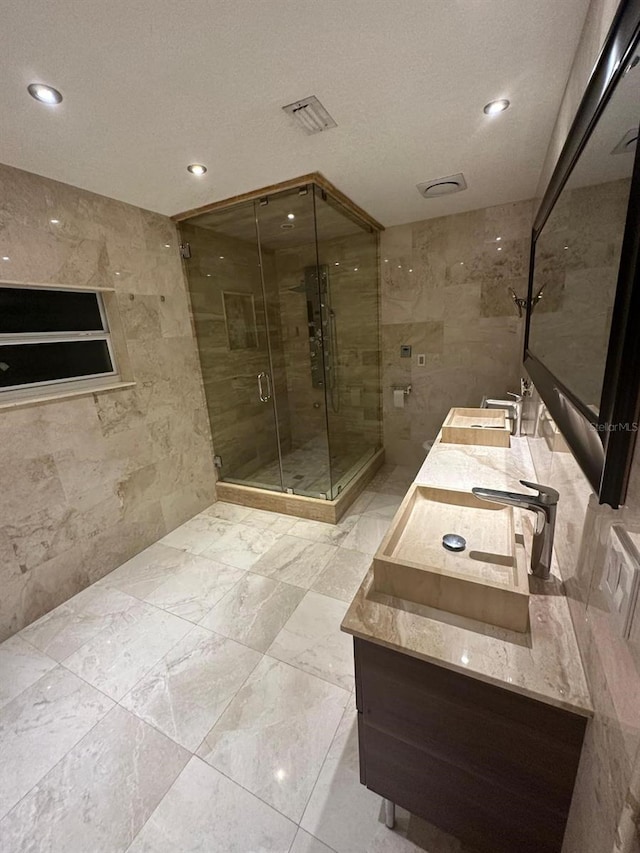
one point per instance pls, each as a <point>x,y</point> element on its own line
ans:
<point>50,335</point>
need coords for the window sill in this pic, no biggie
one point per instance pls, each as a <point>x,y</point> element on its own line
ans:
<point>54,396</point>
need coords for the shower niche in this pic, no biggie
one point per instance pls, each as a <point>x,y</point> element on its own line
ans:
<point>284,295</point>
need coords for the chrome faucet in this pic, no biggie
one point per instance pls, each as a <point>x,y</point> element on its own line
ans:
<point>514,407</point>
<point>544,505</point>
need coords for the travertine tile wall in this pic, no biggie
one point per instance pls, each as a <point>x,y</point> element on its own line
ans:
<point>445,293</point>
<point>86,483</point>
<point>244,429</point>
<point>605,813</point>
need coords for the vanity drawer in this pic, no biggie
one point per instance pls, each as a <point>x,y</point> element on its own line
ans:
<point>487,816</point>
<point>480,736</point>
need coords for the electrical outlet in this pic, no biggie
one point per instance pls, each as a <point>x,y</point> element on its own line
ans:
<point>422,360</point>
<point>621,578</point>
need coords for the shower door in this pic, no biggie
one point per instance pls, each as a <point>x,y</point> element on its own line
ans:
<point>297,329</point>
<point>232,320</point>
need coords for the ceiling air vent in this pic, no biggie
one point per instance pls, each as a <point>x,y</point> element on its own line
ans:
<point>442,186</point>
<point>628,142</point>
<point>310,115</point>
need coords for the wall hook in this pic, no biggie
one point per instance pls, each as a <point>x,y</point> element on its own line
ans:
<point>522,303</point>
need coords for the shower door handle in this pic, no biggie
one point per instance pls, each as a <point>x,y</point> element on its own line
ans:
<point>264,398</point>
<point>261,394</point>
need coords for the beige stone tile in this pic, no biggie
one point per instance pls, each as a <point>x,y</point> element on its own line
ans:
<point>343,574</point>
<point>21,665</point>
<point>241,546</point>
<point>76,809</point>
<point>40,726</point>
<point>187,691</point>
<point>254,611</point>
<point>186,821</point>
<point>312,640</point>
<point>295,561</point>
<point>117,657</point>
<point>273,737</point>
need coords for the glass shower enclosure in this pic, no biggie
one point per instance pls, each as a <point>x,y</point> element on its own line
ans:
<point>284,294</point>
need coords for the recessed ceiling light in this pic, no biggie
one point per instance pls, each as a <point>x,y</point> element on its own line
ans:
<point>499,248</point>
<point>222,257</point>
<point>167,245</point>
<point>291,216</point>
<point>495,107</point>
<point>43,93</point>
<point>196,169</point>
<point>337,263</point>
<point>498,239</point>
<point>5,257</point>
<point>54,221</point>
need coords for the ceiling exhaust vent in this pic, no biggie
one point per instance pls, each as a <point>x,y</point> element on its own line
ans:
<point>628,142</point>
<point>442,186</point>
<point>310,115</point>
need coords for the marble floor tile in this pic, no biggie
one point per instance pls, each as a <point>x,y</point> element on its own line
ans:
<point>40,726</point>
<point>273,737</point>
<point>204,812</point>
<point>367,534</point>
<point>195,587</point>
<point>294,560</point>
<point>99,796</point>
<point>254,611</point>
<point>265,520</point>
<point>21,665</point>
<point>305,843</point>
<point>145,572</point>
<point>185,693</point>
<point>383,506</point>
<point>197,534</point>
<point>361,502</point>
<point>242,546</point>
<point>318,531</point>
<point>312,640</point>
<point>344,814</point>
<point>227,511</point>
<point>343,574</point>
<point>64,630</point>
<point>117,658</point>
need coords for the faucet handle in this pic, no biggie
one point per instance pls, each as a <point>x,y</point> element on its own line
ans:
<point>517,398</point>
<point>546,494</point>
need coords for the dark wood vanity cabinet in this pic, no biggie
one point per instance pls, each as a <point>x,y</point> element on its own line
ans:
<point>487,765</point>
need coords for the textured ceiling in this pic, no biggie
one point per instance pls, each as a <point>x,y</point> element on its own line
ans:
<point>150,86</point>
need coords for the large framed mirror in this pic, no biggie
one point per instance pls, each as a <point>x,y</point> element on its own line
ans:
<point>582,341</point>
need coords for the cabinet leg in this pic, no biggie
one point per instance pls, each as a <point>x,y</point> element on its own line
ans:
<point>389,813</point>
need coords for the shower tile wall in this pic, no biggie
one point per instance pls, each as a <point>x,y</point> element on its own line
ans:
<point>86,483</point>
<point>445,293</point>
<point>244,429</point>
<point>355,427</point>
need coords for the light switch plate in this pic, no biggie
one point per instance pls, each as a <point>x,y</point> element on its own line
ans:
<point>621,578</point>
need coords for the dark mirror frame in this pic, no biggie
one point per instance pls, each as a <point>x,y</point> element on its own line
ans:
<point>602,444</point>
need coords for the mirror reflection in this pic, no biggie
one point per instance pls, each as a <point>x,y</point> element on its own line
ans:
<point>577,253</point>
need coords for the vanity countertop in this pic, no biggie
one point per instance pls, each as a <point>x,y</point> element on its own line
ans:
<point>543,663</point>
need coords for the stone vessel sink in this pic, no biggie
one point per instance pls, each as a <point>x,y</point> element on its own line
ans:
<point>484,427</point>
<point>488,581</point>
